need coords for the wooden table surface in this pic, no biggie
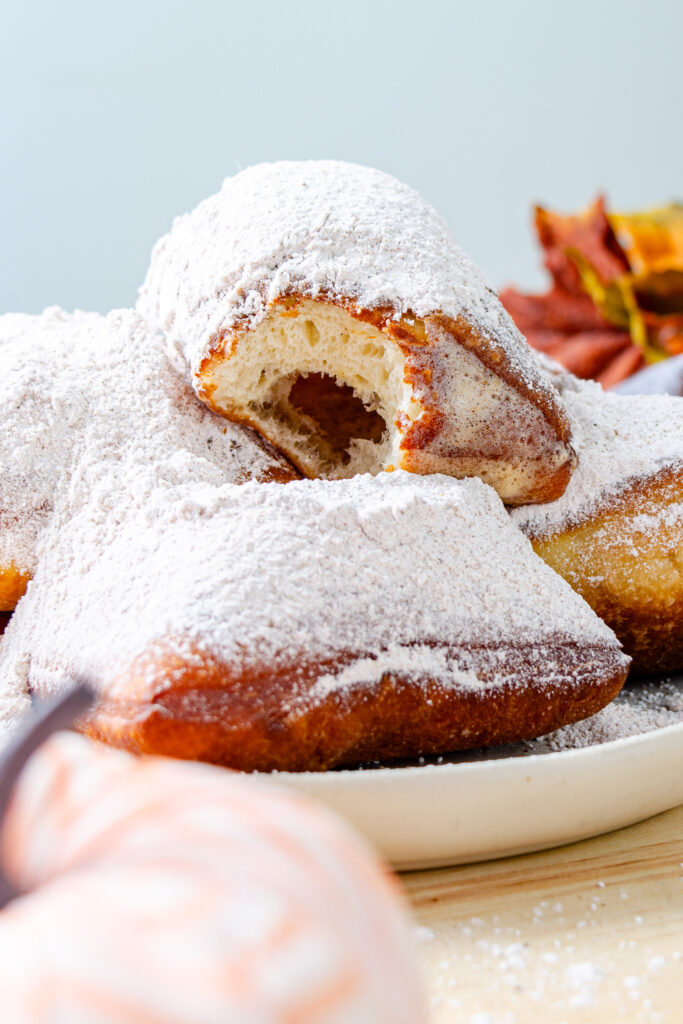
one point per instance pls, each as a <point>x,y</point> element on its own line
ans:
<point>591,932</point>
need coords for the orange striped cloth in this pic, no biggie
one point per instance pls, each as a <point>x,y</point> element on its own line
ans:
<point>164,892</point>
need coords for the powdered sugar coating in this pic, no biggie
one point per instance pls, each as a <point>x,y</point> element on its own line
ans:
<point>41,411</point>
<point>621,440</point>
<point>316,228</point>
<point>639,708</point>
<point>392,569</point>
<point>79,388</point>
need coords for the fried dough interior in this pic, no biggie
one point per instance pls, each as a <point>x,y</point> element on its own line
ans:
<point>295,378</point>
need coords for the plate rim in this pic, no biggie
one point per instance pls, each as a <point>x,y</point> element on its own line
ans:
<point>493,764</point>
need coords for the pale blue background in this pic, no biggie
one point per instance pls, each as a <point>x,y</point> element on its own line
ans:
<point>116,116</point>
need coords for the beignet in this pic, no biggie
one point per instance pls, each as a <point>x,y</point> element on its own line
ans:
<point>310,625</point>
<point>328,306</point>
<point>616,534</point>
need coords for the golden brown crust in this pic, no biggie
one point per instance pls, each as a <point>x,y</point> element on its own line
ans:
<point>538,464</point>
<point>265,719</point>
<point>13,584</point>
<point>626,561</point>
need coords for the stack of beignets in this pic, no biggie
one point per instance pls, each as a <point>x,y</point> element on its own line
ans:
<point>306,624</point>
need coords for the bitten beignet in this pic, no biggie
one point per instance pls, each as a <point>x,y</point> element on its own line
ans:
<point>309,625</point>
<point>328,306</point>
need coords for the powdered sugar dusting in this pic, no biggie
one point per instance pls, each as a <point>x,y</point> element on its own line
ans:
<point>639,708</point>
<point>316,228</point>
<point>382,568</point>
<point>525,956</point>
<point>79,388</point>
<point>620,440</point>
<point>417,662</point>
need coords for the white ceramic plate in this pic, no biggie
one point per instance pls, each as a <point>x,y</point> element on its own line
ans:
<point>440,814</point>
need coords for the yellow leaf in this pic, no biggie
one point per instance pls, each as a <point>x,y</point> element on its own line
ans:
<point>651,239</point>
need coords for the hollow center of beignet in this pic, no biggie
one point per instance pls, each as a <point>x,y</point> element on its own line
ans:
<point>339,413</point>
<point>322,386</point>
